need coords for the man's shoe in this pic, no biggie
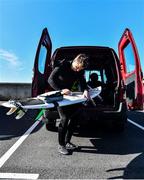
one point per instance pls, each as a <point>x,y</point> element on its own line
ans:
<point>71,146</point>
<point>63,150</point>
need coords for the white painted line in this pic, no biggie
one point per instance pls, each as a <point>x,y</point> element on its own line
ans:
<point>136,111</point>
<point>140,111</point>
<point>134,123</point>
<point>19,176</point>
<point>7,155</point>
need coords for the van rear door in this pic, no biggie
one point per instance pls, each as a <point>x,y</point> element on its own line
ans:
<point>131,70</point>
<point>42,64</point>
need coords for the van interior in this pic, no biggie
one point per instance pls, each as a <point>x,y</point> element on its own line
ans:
<point>104,62</point>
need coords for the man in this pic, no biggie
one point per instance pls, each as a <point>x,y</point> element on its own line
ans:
<point>63,78</point>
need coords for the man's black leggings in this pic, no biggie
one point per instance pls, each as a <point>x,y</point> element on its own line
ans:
<point>69,117</point>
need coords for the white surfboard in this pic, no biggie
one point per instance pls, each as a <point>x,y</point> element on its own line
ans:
<point>39,103</point>
<point>20,107</point>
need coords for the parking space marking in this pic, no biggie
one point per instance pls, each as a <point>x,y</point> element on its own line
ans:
<point>142,111</point>
<point>134,123</point>
<point>19,176</point>
<point>7,155</point>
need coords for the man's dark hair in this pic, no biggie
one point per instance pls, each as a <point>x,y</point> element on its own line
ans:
<point>82,59</point>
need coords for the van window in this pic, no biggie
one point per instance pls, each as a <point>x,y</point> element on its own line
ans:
<point>104,76</point>
<point>129,58</point>
<point>89,72</point>
<point>42,59</point>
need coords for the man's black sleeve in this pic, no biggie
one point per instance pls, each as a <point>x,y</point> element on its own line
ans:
<point>54,81</point>
<point>83,83</point>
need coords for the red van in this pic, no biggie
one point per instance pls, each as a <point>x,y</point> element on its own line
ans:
<point>121,77</point>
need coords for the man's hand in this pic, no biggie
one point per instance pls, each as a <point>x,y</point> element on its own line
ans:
<point>66,91</point>
<point>86,94</point>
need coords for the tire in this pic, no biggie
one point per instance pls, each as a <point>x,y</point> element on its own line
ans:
<point>51,120</point>
<point>51,125</point>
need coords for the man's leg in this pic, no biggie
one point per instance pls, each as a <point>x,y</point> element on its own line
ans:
<point>62,129</point>
<point>72,125</point>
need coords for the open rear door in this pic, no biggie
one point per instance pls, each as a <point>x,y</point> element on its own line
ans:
<point>131,71</point>
<point>42,64</point>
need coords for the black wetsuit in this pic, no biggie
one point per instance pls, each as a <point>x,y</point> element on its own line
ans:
<point>63,77</point>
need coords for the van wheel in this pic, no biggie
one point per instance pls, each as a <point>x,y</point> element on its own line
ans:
<point>119,124</point>
<point>51,125</point>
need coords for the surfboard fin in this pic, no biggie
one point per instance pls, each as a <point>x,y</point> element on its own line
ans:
<point>11,111</point>
<point>20,114</point>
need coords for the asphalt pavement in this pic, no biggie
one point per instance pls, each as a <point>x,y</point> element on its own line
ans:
<point>29,151</point>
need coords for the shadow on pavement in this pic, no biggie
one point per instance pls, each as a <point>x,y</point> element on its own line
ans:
<point>134,170</point>
<point>105,141</point>
<point>10,127</point>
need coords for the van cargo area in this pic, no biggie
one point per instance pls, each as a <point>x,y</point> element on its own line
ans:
<point>104,62</point>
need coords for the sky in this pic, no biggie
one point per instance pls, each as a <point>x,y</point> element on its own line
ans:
<point>69,22</point>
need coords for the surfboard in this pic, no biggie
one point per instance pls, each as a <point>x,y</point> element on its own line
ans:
<point>44,101</point>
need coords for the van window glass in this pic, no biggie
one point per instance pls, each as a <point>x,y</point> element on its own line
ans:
<point>42,59</point>
<point>87,75</point>
<point>129,58</point>
<point>89,72</point>
<point>104,76</point>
